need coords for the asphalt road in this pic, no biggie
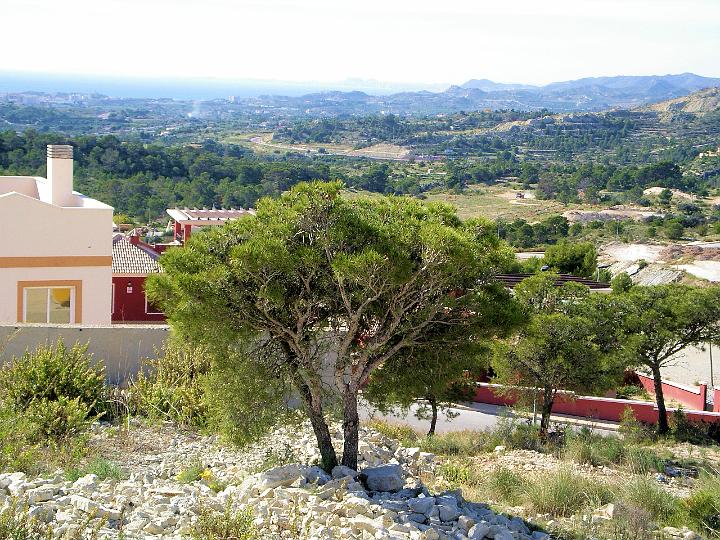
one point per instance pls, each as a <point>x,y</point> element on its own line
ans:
<point>475,417</point>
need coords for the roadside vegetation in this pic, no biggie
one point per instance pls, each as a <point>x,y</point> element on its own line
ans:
<point>585,474</point>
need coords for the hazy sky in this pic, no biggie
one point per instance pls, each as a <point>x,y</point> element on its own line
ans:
<point>532,41</point>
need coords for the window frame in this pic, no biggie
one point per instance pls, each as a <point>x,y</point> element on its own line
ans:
<point>75,287</point>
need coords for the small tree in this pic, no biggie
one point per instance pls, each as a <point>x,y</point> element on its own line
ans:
<point>579,259</point>
<point>660,322</point>
<point>320,285</point>
<point>561,348</point>
<point>621,283</point>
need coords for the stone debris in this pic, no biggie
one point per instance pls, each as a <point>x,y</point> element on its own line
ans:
<point>384,499</point>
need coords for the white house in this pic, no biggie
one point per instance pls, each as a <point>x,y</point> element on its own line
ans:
<point>55,248</point>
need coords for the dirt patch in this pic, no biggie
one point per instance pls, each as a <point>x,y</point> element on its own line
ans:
<point>634,252</point>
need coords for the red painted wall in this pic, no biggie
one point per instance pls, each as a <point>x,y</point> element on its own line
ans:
<point>716,400</point>
<point>130,306</point>
<point>693,397</point>
<point>599,408</point>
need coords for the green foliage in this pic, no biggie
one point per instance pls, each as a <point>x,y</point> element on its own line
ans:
<point>505,484</point>
<point>577,258</point>
<point>226,525</point>
<point>621,283</point>
<point>658,322</point>
<point>52,372</point>
<point>16,524</point>
<point>564,493</point>
<point>562,348</point>
<point>701,510</point>
<point>382,274</point>
<point>645,493</point>
<point>101,467</point>
<point>57,422</point>
<point>48,398</point>
<point>191,473</point>
<point>171,386</point>
<point>460,473</point>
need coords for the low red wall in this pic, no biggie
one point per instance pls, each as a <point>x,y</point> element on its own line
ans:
<point>598,408</point>
<point>716,400</point>
<point>693,397</point>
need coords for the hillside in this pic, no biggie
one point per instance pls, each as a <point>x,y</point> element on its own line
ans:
<point>701,102</point>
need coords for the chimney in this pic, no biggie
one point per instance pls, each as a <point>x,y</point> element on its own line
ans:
<point>60,174</point>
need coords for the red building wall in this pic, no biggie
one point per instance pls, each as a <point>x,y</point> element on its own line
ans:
<point>129,304</point>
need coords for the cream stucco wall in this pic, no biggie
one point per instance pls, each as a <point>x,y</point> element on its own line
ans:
<point>33,229</point>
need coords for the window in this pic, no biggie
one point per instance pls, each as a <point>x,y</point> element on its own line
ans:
<point>49,305</point>
<point>150,309</point>
<point>55,301</point>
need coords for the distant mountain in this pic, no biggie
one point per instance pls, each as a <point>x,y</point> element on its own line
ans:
<point>701,102</point>
<point>490,86</point>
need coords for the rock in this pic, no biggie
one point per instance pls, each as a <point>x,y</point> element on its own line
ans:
<point>40,494</point>
<point>279,476</point>
<point>478,531</point>
<point>315,475</point>
<point>91,507</point>
<point>421,505</point>
<point>606,511</point>
<point>448,512</point>
<point>383,478</point>
<point>499,449</point>
<point>465,522</point>
<point>341,471</point>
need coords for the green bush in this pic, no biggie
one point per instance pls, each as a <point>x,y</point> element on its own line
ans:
<point>57,422</point>
<point>505,484</point>
<point>701,510</point>
<point>191,473</point>
<point>16,524</point>
<point>227,525</point>
<point>173,387</point>
<point>645,493</point>
<point>100,467</point>
<point>564,493</point>
<point>587,447</point>
<point>51,372</point>
<point>459,473</point>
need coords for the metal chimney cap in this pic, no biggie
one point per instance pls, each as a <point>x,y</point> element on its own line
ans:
<point>62,151</point>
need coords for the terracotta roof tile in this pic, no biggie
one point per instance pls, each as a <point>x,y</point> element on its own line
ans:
<point>131,259</point>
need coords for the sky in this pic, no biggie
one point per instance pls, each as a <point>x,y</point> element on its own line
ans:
<point>401,41</point>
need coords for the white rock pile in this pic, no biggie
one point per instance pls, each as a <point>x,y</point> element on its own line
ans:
<point>384,500</point>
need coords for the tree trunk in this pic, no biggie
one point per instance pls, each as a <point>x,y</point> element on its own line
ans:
<point>546,411</point>
<point>351,424</point>
<point>662,427</point>
<point>314,409</point>
<point>433,419</point>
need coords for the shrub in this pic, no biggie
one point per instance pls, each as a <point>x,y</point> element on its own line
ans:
<point>563,493</point>
<point>506,484</point>
<point>173,389</point>
<point>643,460</point>
<point>632,429</point>
<point>644,492</point>
<point>191,473</point>
<point>57,422</point>
<point>586,447</point>
<point>459,473</point>
<point>701,510</point>
<point>100,467</point>
<point>16,524</point>
<point>53,372</point>
<point>224,526</point>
